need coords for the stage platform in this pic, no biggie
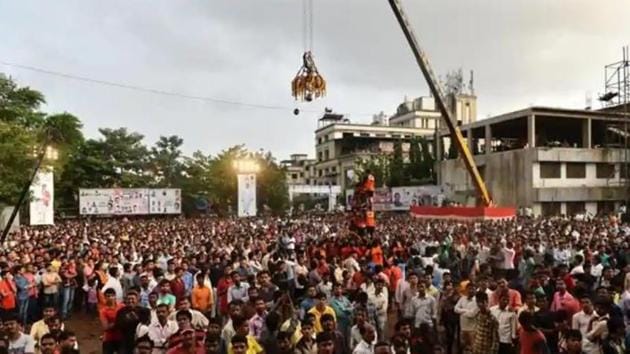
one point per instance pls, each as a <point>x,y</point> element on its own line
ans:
<point>463,213</point>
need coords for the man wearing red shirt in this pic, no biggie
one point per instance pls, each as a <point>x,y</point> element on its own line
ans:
<point>178,288</point>
<point>222,290</point>
<point>107,315</point>
<point>563,300</point>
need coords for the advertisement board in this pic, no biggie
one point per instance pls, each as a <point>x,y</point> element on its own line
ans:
<point>114,201</point>
<point>402,198</point>
<point>165,201</point>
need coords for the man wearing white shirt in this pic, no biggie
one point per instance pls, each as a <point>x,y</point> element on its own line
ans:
<point>380,301</point>
<point>507,324</point>
<point>114,283</point>
<point>351,264</point>
<point>424,307</point>
<point>581,321</point>
<point>366,345</point>
<point>161,329</point>
<point>508,256</point>
<point>465,308</point>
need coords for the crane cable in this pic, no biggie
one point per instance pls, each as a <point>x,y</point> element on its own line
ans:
<point>308,83</point>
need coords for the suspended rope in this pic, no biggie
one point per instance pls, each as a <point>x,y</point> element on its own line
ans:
<point>308,83</point>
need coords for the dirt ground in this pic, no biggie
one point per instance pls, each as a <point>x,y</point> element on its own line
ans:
<point>88,331</point>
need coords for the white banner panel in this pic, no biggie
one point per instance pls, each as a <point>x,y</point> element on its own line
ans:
<point>402,198</point>
<point>246,194</point>
<point>405,197</point>
<point>114,201</point>
<point>43,194</point>
<point>165,201</point>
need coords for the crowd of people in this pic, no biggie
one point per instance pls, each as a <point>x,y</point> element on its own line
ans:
<point>311,285</point>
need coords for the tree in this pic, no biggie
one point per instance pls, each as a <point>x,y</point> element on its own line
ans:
<point>126,155</point>
<point>20,105</point>
<point>378,165</point>
<point>165,161</point>
<point>428,162</point>
<point>222,178</point>
<point>25,133</point>
<point>195,180</point>
<point>397,167</point>
<point>17,161</point>
<point>414,167</point>
<point>273,191</point>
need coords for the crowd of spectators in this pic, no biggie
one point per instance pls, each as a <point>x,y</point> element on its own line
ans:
<point>310,285</point>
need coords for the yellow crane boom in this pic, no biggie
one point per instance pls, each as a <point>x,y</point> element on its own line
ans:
<point>429,76</point>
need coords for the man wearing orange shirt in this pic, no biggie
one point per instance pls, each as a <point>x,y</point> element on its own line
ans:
<point>201,295</point>
<point>377,253</point>
<point>7,292</point>
<point>369,184</point>
<point>107,315</point>
<point>370,222</point>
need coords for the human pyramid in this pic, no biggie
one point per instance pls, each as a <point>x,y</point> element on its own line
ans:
<point>362,206</point>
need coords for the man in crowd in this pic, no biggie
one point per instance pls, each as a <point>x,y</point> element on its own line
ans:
<point>161,330</point>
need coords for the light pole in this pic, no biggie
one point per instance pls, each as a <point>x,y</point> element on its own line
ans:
<point>45,152</point>
<point>246,170</point>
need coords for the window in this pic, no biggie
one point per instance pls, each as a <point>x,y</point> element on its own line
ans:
<point>307,181</point>
<point>333,169</point>
<point>365,135</point>
<point>320,173</point>
<point>574,208</point>
<point>550,208</point>
<point>326,154</point>
<point>319,141</point>
<point>549,170</point>
<point>319,156</point>
<point>301,174</point>
<point>294,176</point>
<point>605,170</point>
<point>576,170</point>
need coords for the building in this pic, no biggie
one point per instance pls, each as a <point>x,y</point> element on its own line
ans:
<point>298,169</point>
<point>555,161</point>
<point>340,144</point>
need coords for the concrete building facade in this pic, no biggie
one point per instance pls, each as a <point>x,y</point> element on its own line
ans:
<point>298,169</point>
<point>555,161</point>
<point>339,143</point>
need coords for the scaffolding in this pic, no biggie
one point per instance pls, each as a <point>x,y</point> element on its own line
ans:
<point>617,95</point>
<point>617,81</point>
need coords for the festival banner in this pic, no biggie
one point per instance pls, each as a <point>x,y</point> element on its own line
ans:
<point>246,194</point>
<point>42,192</point>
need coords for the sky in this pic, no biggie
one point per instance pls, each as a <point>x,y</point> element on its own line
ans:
<point>523,53</point>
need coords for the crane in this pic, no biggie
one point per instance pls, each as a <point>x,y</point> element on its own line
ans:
<point>447,115</point>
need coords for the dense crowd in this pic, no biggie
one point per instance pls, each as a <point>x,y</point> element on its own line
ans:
<point>310,285</point>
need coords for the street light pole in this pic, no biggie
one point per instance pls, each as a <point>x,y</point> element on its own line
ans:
<point>25,190</point>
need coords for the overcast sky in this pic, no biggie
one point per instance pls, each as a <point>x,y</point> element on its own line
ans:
<point>523,52</point>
